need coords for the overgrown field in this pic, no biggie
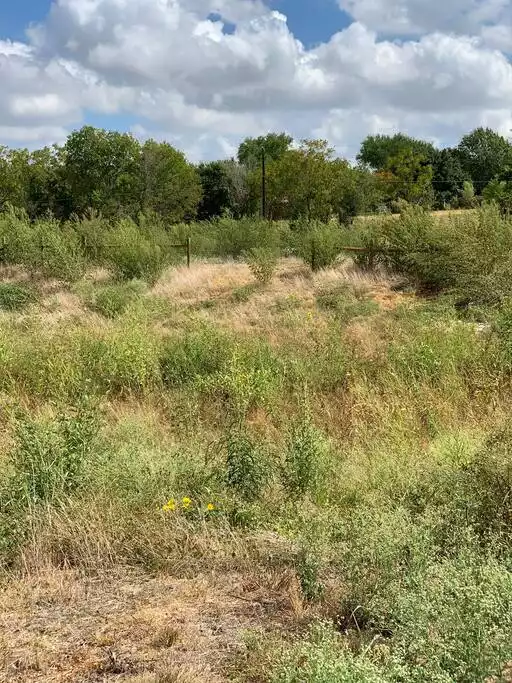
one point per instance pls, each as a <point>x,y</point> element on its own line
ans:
<point>249,471</point>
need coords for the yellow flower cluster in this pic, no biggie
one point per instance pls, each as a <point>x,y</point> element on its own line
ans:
<point>186,504</point>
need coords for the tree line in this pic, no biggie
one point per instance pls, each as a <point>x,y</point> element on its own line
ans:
<point>116,175</point>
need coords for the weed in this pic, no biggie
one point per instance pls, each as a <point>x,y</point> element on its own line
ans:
<point>246,473</point>
<point>262,263</point>
<point>15,297</point>
<point>306,459</point>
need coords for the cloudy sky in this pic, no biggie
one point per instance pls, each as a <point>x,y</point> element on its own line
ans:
<point>205,73</point>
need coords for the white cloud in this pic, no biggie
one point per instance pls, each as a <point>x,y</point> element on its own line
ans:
<point>417,17</point>
<point>173,65</point>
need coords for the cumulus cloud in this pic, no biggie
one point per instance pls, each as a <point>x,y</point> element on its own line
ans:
<point>409,17</point>
<point>209,72</point>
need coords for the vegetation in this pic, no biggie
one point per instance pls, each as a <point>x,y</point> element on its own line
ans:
<point>114,174</point>
<point>310,454</point>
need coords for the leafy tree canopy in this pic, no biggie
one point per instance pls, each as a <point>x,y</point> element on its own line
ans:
<point>274,145</point>
<point>377,150</point>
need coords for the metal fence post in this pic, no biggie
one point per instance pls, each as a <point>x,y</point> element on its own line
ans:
<point>189,245</point>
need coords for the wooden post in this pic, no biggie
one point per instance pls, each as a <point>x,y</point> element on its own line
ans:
<point>189,245</point>
<point>263,185</point>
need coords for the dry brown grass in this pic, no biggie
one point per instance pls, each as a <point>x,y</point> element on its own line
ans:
<point>60,627</point>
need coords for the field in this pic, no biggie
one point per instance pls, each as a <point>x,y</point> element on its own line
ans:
<point>252,472</point>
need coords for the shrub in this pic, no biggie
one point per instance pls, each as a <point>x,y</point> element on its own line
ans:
<point>17,243</point>
<point>15,297</point>
<point>48,458</point>
<point>58,252</point>
<point>113,300</point>
<point>319,244</point>
<point>123,360</point>
<point>251,377</point>
<point>345,304</point>
<point>469,255</point>
<point>263,263</point>
<point>306,459</point>
<point>134,253</point>
<point>199,354</point>
<point>246,472</point>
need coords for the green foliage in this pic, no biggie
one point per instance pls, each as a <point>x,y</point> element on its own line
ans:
<point>305,465</point>
<point>195,356</point>
<point>345,303</point>
<point>216,188</point>
<point>318,244</point>
<point>112,300</point>
<point>49,457</point>
<point>471,258</point>
<point>448,178</point>
<point>14,297</point>
<point>171,186</point>
<point>134,253</point>
<point>377,150</point>
<point>408,176</point>
<point>275,145</point>
<point>102,171</point>
<point>246,469</point>
<point>484,153</point>
<point>263,263</point>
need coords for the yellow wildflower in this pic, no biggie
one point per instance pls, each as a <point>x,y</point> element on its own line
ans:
<point>170,506</point>
<point>210,507</point>
<point>186,502</point>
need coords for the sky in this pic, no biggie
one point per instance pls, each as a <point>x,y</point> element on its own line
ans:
<point>204,74</point>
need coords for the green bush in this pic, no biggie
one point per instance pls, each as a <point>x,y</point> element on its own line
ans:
<point>113,300</point>
<point>196,355</point>
<point>134,253</point>
<point>306,460</point>
<point>345,304</point>
<point>246,470</point>
<point>49,457</point>
<point>252,377</point>
<point>58,252</point>
<point>319,244</point>
<point>17,240</point>
<point>123,360</point>
<point>263,263</point>
<point>15,297</point>
<point>468,255</point>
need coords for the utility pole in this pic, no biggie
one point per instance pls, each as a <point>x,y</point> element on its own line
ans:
<point>263,185</point>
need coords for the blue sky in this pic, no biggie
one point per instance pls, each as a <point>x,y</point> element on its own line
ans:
<point>16,15</point>
<point>312,21</point>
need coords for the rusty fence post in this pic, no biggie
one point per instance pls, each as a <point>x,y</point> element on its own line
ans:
<point>189,250</point>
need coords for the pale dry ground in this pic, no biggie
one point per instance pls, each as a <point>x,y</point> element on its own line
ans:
<point>445,213</point>
<point>60,627</point>
<point>294,289</point>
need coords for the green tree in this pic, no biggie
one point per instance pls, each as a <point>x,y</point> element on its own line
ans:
<point>302,182</point>
<point>377,150</point>
<point>484,155</point>
<point>216,189</point>
<point>448,178</point>
<point>240,196</point>
<point>102,171</point>
<point>275,145</point>
<point>356,191</point>
<point>171,186</point>
<point>410,178</point>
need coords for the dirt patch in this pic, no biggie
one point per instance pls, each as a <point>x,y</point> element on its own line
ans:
<point>60,627</point>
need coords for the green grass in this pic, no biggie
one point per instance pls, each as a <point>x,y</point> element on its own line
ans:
<point>362,454</point>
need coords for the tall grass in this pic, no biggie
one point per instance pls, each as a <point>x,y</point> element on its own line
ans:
<point>385,499</point>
